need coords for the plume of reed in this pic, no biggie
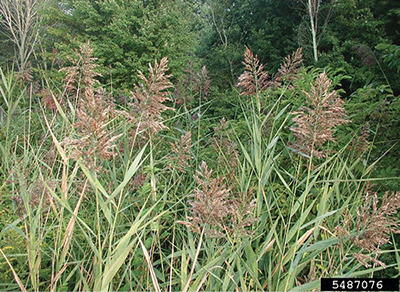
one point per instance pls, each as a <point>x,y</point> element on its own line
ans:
<point>148,98</point>
<point>210,206</point>
<point>215,207</point>
<point>80,77</point>
<point>48,100</point>
<point>94,139</point>
<point>138,181</point>
<point>366,55</point>
<point>316,123</point>
<point>38,192</point>
<point>365,260</point>
<point>205,82</point>
<point>181,156</point>
<point>242,215</point>
<point>191,84</point>
<point>375,221</point>
<point>254,79</point>
<point>290,67</point>
<point>93,114</point>
<point>360,143</point>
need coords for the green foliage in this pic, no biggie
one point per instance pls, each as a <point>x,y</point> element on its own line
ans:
<point>125,35</point>
<point>391,55</point>
<point>388,12</point>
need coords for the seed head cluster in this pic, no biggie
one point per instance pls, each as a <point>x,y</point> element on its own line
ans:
<point>38,192</point>
<point>215,207</point>
<point>290,67</point>
<point>93,141</point>
<point>376,220</point>
<point>181,156</point>
<point>315,124</point>
<point>255,79</point>
<point>148,98</point>
<point>193,83</point>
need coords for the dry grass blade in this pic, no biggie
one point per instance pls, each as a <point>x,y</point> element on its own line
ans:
<point>267,248</point>
<point>57,277</point>
<point>17,279</point>
<point>55,141</point>
<point>71,223</point>
<point>64,158</point>
<point>186,288</point>
<point>202,282</point>
<point>149,264</point>
<point>304,237</point>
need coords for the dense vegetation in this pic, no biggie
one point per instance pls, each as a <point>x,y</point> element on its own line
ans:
<point>198,145</point>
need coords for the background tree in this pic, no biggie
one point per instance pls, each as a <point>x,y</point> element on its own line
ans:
<point>315,15</point>
<point>221,36</point>
<point>6,47</point>
<point>21,18</point>
<point>125,35</point>
<point>266,27</point>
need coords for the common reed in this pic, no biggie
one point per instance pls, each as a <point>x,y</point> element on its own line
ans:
<point>315,124</point>
<point>194,84</point>
<point>360,143</point>
<point>209,207</point>
<point>181,156</point>
<point>365,54</point>
<point>148,98</point>
<point>48,99</point>
<point>93,114</point>
<point>290,67</point>
<point>37,193</point>
<point>375,222</point>
<point>254,79</point>
<point>217,209</point>
<point>80,76</point>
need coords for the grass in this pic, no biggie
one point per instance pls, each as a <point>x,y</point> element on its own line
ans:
<point>127,224</point>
